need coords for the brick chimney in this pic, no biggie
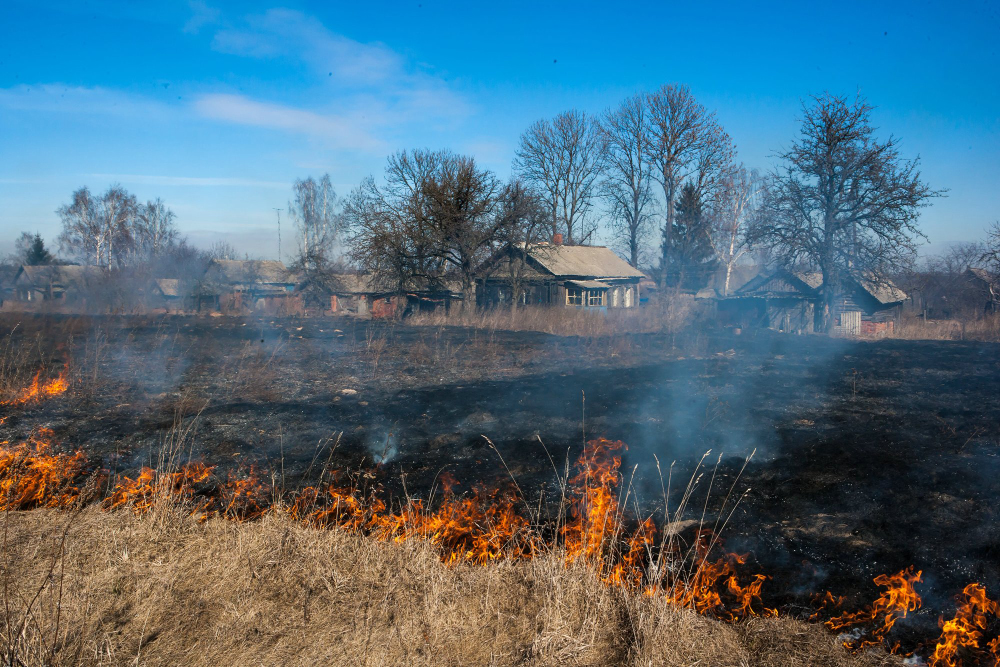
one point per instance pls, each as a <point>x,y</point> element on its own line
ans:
<point>557,239</point>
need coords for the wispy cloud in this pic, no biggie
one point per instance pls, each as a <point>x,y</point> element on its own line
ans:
<point>377,92</point>
<point>340,131</point>
<point>196,181</point>
<point>54,97</point>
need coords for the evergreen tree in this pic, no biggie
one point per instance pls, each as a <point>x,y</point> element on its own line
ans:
<point>30,249</point>
<point>38,253</point>
<point>688,248</point>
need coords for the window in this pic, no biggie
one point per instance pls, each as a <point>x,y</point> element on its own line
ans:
<point>595,297</point>
<point>574,296</point>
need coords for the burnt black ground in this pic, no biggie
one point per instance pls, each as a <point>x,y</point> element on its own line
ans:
<point>870,456</point>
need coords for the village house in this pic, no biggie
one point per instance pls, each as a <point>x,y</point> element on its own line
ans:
<point>554,274</point>
<point>62,283</point>
<point>361,295</point>
<point>985,287</point>
<point>790,301</point>
<point>239,286</point>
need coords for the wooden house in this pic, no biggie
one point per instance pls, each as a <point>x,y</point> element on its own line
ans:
<point>363,296</point>
<point>242,286</point>
<point>55,282</point>
<point>791,301</point>
<point>553,274</point>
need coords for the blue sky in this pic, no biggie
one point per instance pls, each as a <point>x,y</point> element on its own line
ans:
<point>218,107</point>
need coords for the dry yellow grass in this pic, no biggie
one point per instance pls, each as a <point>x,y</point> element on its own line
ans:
<point>670,314</point>
<point>982,329</point>
<point>165,590</point>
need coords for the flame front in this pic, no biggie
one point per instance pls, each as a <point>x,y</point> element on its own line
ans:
<point>31,475</point>
<point>482,527</point>
<point>39,390</point>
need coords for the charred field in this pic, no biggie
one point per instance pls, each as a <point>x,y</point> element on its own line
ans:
<point>867,457</point>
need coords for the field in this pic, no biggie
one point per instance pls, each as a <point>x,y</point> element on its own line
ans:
<point>864,457</point>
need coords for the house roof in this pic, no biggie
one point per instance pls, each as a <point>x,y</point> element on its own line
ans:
<point>883,291</point>
<point>249,271</point>
<point>981,274</point>
<point>582,261</point>
<point>58,275</point>
<point>808,283</point>
<point>168,286</point>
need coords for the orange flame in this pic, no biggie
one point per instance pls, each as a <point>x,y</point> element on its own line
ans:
<point>32,476</point>
<point>896,601</point>
<point>39,390</point>
<point>961,635</point>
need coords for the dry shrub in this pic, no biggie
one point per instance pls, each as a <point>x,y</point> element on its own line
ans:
<point>671,313</point>
<point>163,590</point>
<point>917,328</point>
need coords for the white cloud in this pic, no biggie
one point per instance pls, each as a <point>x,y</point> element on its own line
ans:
<point>196,181</point>
<point>341,131</point>
<point>376,91</point>
<point>54,97</point>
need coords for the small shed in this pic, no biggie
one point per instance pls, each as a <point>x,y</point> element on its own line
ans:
<point>364,296</point>
<point>559,275</point>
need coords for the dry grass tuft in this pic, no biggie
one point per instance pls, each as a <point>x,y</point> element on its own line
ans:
<point>671,314</point>
<point>983,329</point>
<point>110,588</point>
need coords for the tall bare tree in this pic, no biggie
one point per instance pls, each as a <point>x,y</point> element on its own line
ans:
<point>387,226</point>
<point>317,222</point>
<point>734,209</point>
<point>99,229</point>
<point>684,143</point>
<point>626,186</point>
<point>562,159</point>
<point>842,200</point>
<point>154,229</point>
<point>524,224</point>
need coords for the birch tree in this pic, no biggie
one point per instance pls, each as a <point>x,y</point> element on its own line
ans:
<point>734,209</point>
<point>317,221</point>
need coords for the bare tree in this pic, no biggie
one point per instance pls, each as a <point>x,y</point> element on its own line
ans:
<point>842,201</point>
<point>989,258</point>
<point>100,230</point>
<point>626,186</point>
<point>221,250</point>
<point>317,221</point>
<point>438,215</point>
<point>387,226</point>
<point>734,209</point>
<point>562,158</point>
<point>461,215</point>
<point>154,229</point>
<point>684,143</point>
<point>524,222</point>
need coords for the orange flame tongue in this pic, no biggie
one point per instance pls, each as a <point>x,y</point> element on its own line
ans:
<point>31,476</point>
<point>896,601</point>
<point>38,390</point>
<point>961,635</point>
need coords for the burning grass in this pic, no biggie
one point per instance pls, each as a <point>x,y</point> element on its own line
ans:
<point>637,583</point>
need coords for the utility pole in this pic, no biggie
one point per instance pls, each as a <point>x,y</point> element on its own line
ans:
<point>278,212</point>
